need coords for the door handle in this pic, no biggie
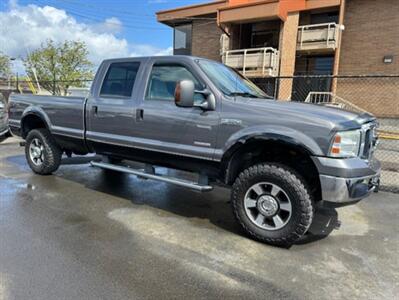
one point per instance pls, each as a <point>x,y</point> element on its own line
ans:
<point>95,110</point>
<point>139,114</point>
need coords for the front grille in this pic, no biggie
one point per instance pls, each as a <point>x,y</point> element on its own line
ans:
<point>369,140</point>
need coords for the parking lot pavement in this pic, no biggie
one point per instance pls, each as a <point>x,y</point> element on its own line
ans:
<point>84,233</point>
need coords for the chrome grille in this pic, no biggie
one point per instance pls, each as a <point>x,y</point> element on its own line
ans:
<point>368,140</point>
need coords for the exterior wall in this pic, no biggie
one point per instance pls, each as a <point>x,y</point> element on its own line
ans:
<point>206,39</point>
<point>371,32</point>
<point>287,49</point>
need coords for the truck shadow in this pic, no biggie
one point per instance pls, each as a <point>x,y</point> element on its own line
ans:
<point>200,208</point>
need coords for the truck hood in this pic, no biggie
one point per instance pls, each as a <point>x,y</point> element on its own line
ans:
<point>335,117</point>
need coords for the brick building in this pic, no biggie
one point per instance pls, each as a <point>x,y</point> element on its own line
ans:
<point>270,40</point>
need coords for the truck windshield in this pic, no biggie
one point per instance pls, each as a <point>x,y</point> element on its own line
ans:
<point>229,81</point>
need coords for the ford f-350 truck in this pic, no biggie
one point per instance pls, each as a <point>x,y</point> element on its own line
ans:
<point>281,159</point>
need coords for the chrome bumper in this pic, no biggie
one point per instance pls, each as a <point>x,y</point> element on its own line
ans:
<point>347,190</point>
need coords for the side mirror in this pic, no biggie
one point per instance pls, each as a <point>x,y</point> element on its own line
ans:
<point>184,93</point>
<point>209,103</point>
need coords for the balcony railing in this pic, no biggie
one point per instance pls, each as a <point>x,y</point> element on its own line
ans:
<point>256,62</point>
<point>318,36</point>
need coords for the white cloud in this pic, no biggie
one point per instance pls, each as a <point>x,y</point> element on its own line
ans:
<point>25,28</point>
<point>146,50</point>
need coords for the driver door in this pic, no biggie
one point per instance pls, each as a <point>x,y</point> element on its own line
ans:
<point>165,127</point>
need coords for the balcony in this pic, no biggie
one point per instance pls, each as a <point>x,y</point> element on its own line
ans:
<point>256,62</point>
<point>318,37</point>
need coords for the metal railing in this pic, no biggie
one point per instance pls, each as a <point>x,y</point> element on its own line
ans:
<point>256,62</point>
<point>330,99</point>
<point>318,36</point>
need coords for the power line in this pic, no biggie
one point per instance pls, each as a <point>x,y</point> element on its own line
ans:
<point>101,19</point>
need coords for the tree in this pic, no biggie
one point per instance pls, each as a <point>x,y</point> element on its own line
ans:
<point>5,65</point>
<point>59,66</point>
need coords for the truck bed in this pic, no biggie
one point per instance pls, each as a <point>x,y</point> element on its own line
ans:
<point>65,115</point>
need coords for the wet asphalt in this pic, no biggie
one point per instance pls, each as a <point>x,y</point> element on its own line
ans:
<point>85,233</point>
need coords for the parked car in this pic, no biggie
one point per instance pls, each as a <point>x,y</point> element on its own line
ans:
<point>4,131</point>
<point>282,160</point>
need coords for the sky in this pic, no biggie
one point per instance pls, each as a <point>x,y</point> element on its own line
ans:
<point>110,28</point>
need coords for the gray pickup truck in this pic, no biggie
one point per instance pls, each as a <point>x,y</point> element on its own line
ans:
<point>282,159</point>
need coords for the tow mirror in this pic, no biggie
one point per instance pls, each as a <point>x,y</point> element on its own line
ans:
<point>184,93</point>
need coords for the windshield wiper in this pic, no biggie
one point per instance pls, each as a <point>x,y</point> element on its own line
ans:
<point>244,94</point>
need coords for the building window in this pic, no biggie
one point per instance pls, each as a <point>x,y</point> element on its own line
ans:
<point>329,17</point>
<point>182,39</point>
<point>312,65</point>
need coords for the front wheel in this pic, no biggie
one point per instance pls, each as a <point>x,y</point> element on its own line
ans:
<point>42,152</point>
<point>272,204</point>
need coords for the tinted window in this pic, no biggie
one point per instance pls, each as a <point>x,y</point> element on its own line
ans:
<point>120,79</point>
<point>182,40</point>
<point>163,80</point>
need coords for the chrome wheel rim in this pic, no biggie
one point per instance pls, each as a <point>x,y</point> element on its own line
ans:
<point>36,152</point>
<point>267,206</point>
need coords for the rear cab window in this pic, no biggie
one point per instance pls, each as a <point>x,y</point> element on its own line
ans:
<point>164,78</point>
<point>119,80</point>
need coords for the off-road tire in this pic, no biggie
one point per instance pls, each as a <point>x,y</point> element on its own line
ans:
<point>52,152</point>
<point>293,185</point>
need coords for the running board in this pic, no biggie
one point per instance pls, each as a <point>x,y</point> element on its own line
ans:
<point>180,182</point>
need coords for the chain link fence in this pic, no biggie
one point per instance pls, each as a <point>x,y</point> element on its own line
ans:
<point>375,94</point>
<point>378,95</point>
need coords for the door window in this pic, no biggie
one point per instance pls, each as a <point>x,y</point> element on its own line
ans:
<point>163,80</point>
<point>119,80</point>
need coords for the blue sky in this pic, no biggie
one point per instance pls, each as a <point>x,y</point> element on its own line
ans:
<point>110,28</point>
<point>137,16</point>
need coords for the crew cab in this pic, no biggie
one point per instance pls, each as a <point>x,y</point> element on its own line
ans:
<point>281,159</point>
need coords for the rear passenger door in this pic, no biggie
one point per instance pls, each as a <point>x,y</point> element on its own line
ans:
<point>162,126</point>
<point>110,112</point>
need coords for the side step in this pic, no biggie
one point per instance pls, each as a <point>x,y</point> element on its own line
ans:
<point>181,182</point>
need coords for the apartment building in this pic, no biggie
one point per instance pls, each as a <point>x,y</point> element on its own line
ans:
<point>272,40</point>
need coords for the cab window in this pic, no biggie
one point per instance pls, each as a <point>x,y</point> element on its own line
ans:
<point>163,79</point>
<point>119,80</point>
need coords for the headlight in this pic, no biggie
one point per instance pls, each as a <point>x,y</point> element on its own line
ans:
<point>346,144</point>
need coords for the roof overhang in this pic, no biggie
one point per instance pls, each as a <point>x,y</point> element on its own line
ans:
<point>181,14</point>
<point>250,11</point>
<point>242,11</point>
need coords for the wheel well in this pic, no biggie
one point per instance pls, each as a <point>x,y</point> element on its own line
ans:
<point>31,122</point>
<point>293,156</point>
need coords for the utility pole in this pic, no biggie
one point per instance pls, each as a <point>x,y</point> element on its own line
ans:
<point>12,59</point>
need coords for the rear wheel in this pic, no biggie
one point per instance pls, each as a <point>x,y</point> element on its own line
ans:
<point>272,204</point>
<point>42,152</point>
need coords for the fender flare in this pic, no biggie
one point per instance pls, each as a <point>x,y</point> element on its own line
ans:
<point>37,112</point>
<point>286,136</point>
<point>273,133</point>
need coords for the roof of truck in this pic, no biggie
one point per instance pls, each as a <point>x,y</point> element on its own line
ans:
<point>186,57</point>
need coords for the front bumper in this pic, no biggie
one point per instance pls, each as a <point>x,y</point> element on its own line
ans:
<point>348,190</point>
<point>342,190</point>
